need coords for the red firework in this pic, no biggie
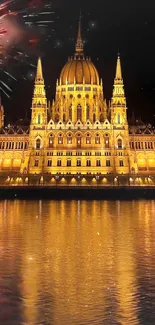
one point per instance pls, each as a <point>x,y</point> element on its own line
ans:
<point>3,31</point>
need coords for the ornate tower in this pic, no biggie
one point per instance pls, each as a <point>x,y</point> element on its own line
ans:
<point>118,103</point>
<point>119,123</point>
<point>38,126</point>
<point>39,101</point>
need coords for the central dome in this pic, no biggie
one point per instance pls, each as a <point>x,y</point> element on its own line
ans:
<point>79,70</point>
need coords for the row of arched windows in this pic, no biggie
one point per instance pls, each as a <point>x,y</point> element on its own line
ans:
<point>13,145</point>
<point>79,115</point>
<point>142,145</point>
<point>81,163</point>
<point>88,139</point>
<point>97,139</point>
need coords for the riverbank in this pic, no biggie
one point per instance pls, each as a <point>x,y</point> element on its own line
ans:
<point>45,192</point>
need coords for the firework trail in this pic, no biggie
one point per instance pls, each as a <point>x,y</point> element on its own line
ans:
<point>23,25</point>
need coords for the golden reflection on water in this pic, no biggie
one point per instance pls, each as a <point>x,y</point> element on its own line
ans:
<point>77,262</point>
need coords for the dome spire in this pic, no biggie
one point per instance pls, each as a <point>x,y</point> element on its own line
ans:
<point>79,43</point>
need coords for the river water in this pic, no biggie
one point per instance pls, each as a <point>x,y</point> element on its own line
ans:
<point>77,262</point>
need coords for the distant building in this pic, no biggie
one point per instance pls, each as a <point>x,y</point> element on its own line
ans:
<point>79,139</point>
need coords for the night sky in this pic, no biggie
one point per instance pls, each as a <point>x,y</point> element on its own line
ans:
<point>108,26</point>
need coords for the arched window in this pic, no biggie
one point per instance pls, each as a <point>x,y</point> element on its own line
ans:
<point>79,140</point>
<point>94,117</point>
<point>60,139</point>
<point>98,163</point>
<point>106,141</point>
<point>69,139</point>
<point>70,112</point>
<point>51,141</point>
<point>39,119</point>
<point>88,138</point>
<point>121,163</point>
<point>119,143</point>
<point>38,144</point>
<point>87,112</point>
<point>78,163</point>
<point>79,112</point>
<point>64,117</point>
<point>101,118</point>
<point>69,163</point>
<point>97,139</point>
<point>56,117</point>
<point>88,163</point>
<point>59,162</point>
<point>118,118</point>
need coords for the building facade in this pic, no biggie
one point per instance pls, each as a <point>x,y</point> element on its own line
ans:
<point>79,139</point>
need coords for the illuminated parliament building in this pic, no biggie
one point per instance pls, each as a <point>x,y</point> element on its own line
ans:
<point>79,139</point>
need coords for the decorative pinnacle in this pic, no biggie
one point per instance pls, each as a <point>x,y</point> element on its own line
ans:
<point>39,74</point>
<point>79,43</point>
<point>118,69</point>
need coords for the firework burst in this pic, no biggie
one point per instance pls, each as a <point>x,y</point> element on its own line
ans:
<point>23,27</point>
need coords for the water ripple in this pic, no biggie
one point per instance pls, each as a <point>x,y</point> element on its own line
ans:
<point>77,263</point>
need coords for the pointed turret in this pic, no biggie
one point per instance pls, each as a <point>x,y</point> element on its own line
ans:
<point>39,88</point>
<point>118,115</point>
<point>118,69</point>
<point>39,101</point>
<point>118,91</point>
<point>39,74</point>
<point>79,43</point>
<point>118,102</point>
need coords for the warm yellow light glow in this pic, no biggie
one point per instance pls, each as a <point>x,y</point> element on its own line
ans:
<point>78,134</point>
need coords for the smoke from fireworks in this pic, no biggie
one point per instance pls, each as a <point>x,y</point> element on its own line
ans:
<point>23,27</point>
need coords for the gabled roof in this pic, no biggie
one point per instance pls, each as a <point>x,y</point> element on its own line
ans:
<point>69,124</point>
<point>60,125</point>
<point>147,131</point>
<point>11,131</point>
<point>2,131</point>
<point>20,131</point>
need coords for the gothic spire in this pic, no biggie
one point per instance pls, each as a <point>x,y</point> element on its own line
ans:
<point>39,101</point>
<point>118,69</point>
<point>118,91</point>
<point>39,87</point>
<point>79,43</point>
<point>39,74</point>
